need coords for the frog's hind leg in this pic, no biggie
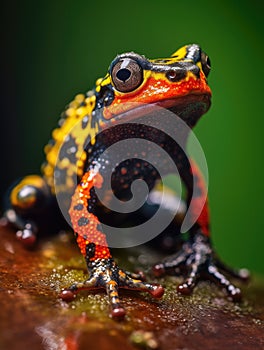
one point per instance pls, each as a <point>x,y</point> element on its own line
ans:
<point>25,202</point>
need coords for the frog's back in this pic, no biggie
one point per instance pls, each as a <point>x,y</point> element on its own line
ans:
<point>65,156</point>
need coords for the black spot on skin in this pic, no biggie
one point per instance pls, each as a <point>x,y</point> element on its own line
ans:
<point>78,207</point>
<point>95,118</point>
<point>90,250</point>
<point>99,227</point>
<point>68,150</point>
<point>83,221</point>
<point>85,121</point>
<point>60,176</point>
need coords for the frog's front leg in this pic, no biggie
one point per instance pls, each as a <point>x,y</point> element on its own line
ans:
<point>196,259</point>
<point>103,271</point>
<point>26,202</point>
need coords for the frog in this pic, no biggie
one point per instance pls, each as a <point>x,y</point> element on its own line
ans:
<point>75,169</point>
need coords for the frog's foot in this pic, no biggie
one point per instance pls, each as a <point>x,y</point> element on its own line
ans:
<point>106,274</point>
<point>196,259</point>
<point>26,231</point>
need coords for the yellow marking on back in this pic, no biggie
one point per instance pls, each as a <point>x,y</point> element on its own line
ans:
<point>81,107</point>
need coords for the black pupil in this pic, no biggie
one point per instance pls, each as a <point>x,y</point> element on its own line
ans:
<point>123,74</point>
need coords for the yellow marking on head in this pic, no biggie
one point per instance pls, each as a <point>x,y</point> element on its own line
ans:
<point>98,81</point>
<point>199,64</point>
<point>181,53</point>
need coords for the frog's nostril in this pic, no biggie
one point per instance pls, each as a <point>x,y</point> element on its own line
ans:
<point>176,74</point>
<point>171,74</point>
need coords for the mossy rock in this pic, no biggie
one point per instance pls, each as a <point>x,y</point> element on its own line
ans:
<point>32,315</point>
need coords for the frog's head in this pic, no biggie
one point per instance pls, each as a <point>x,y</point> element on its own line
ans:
<point>178,83</point>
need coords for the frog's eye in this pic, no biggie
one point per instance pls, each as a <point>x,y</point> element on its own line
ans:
<point>206,64</point>
<point>127,75</point>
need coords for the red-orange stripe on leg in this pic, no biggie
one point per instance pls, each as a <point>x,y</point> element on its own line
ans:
<point>200,204</point>
<point>86,225</point>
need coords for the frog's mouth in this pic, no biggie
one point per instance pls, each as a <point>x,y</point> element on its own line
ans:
<point>189,108</point>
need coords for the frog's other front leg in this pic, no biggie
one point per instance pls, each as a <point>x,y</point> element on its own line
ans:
<point>26,202</point>
<point>103,271</point>
<point>196,259</point>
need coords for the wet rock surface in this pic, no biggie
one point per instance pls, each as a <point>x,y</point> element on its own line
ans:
<point>33,317</point>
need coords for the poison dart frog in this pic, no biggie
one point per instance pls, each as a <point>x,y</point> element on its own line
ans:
<point>74,165</point>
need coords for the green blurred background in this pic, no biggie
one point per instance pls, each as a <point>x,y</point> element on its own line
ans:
<point>52,50</point>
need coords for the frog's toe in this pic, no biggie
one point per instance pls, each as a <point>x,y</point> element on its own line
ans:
<point>68,294</point>
<point>209,273</point>
<point>106,274</point>
<point>27,236</point>
<point>126,282</point>
<point>177,264</point>
<point>156,290</point>
<point>241,274</point>
<point>214,274</point>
